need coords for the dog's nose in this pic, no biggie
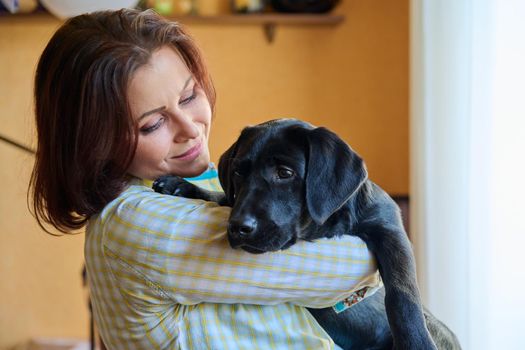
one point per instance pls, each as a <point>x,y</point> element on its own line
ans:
<point>242,227</point>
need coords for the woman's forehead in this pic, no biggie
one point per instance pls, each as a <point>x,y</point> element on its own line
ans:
<point>163,78</point>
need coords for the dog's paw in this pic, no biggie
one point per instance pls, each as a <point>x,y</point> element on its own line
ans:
<point>166,184</point>
<point>173,185</point>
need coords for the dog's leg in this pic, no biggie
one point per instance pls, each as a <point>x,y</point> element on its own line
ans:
<point>177,186</point>
<point>444,338</point>
<point>365,326</point>
<point>391,247</point>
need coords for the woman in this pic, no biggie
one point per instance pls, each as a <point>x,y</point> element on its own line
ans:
<point>122,98</point>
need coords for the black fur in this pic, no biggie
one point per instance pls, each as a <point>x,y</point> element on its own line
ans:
<point>286,180</point>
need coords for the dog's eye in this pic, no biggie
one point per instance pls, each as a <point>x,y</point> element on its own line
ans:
<point>237,173</point>
<point>284,173</point>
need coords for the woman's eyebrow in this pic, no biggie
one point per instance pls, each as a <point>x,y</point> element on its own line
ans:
<point>145,114</point>
<point>187,82</point>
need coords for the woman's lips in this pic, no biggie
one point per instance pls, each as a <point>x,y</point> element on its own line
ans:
<point>190,154</point>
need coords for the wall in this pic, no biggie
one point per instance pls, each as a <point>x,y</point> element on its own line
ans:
<point>40,291</point>
<point>352,78</point>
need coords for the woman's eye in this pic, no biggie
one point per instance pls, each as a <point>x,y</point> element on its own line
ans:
<point>284,173</point>
<point>188,99</point>
<point>146,129</point>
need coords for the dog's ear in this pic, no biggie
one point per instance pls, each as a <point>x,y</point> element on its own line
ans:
<point>334,172</point>
<point>225,176</point>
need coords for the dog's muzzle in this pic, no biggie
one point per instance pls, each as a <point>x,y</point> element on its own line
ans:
<point>240,229</point>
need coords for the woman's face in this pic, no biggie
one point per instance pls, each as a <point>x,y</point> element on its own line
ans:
<point>173,117</point>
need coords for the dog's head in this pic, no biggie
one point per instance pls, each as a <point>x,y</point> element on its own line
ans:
<point>282,175</point>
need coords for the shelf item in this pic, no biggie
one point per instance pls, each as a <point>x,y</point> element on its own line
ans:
<point>68,8</point>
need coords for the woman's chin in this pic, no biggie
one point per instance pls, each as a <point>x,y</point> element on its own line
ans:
<point>188,170</point>
<point>195,168</point>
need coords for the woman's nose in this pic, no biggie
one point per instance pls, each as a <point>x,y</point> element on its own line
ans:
<point>184,129</point>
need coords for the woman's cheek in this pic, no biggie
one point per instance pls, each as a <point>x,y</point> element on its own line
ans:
<point>164,137</point>
<point>203,110</point>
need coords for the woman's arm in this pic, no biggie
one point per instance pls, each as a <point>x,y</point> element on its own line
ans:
<point>178,248</point>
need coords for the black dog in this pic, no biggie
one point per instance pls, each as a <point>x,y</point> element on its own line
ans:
<point>286,180</point>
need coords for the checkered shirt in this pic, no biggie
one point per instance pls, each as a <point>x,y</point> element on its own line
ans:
<point>163,276</point>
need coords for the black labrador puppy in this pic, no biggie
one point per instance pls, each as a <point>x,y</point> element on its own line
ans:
<point>286,180</point>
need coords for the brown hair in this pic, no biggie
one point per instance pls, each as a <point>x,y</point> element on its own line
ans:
<point>86,136</point>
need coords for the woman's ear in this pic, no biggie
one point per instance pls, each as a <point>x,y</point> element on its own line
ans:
<point>334,172</point>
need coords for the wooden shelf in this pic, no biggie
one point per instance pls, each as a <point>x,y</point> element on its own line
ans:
<point>270,18</point>
<point>233,19</point>
<point>269,21</point>
<point>25,16</point>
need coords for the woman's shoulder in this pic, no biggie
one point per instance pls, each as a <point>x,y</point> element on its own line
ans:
<point>140,211</point>
<point>138,202</point>
<point>141,220</point>
<point>139,198</point>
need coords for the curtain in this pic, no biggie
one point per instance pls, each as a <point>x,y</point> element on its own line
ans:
<point>468,166</point>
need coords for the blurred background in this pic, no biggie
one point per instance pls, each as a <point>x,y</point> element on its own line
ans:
<point>430,93</point>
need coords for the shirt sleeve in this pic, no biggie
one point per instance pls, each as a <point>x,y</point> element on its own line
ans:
<point>177,249</point>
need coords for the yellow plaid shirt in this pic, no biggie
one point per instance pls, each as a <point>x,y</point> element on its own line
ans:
<point>163,276</point>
